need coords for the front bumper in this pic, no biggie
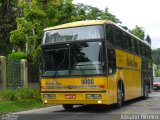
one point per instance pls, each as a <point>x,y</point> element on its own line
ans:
<point>77,98</point>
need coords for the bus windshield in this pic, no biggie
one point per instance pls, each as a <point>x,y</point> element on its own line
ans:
<point>84,58</point>
<point>71,34</point>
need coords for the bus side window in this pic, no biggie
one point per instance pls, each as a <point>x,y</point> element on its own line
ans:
<point>136,46</point>
<point>118,37</point>
<point>149,52</point>
<point>109,34</point>
<point>111,61</point>
<point>143,50</point>
<point>129,43</point>
<point>139,47</point>
<point>124,41</point>
<point>133,49</point>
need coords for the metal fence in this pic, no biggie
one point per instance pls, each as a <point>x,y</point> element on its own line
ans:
<point>14,76</point>
<point>33,73</point>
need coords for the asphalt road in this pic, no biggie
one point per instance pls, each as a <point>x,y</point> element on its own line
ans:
<point>135,109</point>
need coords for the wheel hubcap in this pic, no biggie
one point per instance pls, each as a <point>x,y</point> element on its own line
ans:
<point>119,96</point>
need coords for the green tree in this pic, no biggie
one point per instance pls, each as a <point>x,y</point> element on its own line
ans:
<point>18,38</point>
<point>156,61</point>
<point>124,27</point>
<point>156,56</point>
<point>138,31</point>
<point>81,11</point>
<point>58,12</point>
<point>148,39</point>
<point>29,27</point>
<point>39,14</point>
<point>157,71</point>
<point>8,13</point>
<point>105,15</point>
<point>85,12</point>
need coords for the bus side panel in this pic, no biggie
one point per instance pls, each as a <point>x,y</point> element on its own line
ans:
<point>112,94</point>
<point>129,66</point>
<point>136,81</point>
<point>127,83</point>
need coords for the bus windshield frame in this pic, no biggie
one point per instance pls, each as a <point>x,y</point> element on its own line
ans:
<point>74,59</point>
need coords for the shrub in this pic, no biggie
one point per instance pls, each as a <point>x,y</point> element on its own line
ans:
<point>19,94</point>
<point>17,56</point>
<point>7,95</point>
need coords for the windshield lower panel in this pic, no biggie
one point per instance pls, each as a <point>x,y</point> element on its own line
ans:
<point>85,58</point>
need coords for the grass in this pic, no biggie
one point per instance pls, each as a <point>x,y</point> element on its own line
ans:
<point>19,94</point>
<point>19,100</point>
<point>15,106</point>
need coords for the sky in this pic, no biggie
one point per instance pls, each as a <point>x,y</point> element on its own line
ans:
<point>144,13</point>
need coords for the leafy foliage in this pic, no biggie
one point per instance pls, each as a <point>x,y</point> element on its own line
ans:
<point>108,16</point>
<point>156,61</point>
<point>39,14</point>
<point>85,12</point>
<point>17,56</point>
<point>19,94</point>
<point>148,39</point>
<point>18,38</point>
<point>8,14</point>
<point>138,31</point>
<point>157,71</point>
<point>156,56</point>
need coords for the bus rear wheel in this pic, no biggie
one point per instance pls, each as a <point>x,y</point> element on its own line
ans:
<point>145,92</point>
<point>67,106</point>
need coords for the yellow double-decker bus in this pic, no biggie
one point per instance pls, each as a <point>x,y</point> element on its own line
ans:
<point>94,62</point>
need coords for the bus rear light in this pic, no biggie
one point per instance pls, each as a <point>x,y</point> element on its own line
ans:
<point>93,96</point>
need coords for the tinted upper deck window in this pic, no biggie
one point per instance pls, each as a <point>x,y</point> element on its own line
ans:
<point>71,34</point>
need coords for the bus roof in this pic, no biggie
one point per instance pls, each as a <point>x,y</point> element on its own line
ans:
<point>91,22</point>
<point>79,23</point>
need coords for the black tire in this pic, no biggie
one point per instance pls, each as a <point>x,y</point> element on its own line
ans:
<point>67,106</point>
<point>119,96</point>
<point>145,92</point>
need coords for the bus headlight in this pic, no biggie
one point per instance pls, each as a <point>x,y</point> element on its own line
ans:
<point>49,96</point>
<point>93,96</point>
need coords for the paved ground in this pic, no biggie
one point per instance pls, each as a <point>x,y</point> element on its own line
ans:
<point>93,112</point>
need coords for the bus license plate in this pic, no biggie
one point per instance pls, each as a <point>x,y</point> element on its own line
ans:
<point>70,96</point>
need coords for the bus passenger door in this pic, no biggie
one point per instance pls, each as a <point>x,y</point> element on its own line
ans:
<point>111,69</point>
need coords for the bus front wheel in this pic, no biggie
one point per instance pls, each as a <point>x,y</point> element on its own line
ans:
<point>119,96</point>
<point>67,106</point>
